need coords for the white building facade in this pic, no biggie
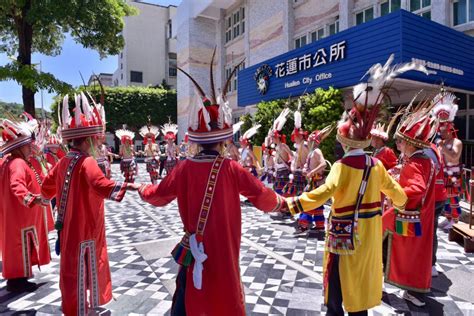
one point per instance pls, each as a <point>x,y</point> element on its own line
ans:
<point>257,30</point>
<point>149,55</point>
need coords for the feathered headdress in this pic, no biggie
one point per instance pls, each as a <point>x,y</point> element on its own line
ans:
<point>169,130</point>
<point>418,126</point>
<point>126,136</point>
<point>88,120</point>
<point>16,133</point>
<point>356,124</point>
<point>149,131</point>
<point>279,123</point>
<point>445,110</point>
<point>319,135</point>
<point>249,133</point>
<point>210,119</point>
<point>298,123</point>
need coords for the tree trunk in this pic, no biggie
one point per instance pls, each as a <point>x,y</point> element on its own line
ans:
<point>25,42</point>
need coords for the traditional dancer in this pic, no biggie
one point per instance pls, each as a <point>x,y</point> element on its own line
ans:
<point>283,153</point>
<point>314,172</point>
<point>128,165</point>
<point>247,157</point>
<point>450,148</point>
<point>210,248</point>
<point>382,152</point>
<point>149,134</point>
<point>297,181</point>
<point>54,149</point>
<point>170,130</point>
<point>103,158</point>
<point>23,224</point>
<point>410,231</point>
<point>231,151</point>
<point>268,161</point>
<point>81,188</point>
<point>353,260</point>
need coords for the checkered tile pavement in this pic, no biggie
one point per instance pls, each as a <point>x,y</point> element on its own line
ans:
<point>281,273</point>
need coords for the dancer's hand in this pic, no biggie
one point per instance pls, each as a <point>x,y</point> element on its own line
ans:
<point>134,186</point>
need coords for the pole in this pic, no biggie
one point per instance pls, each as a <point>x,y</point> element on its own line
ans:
<point>471,185</point>
<point>42,104</point>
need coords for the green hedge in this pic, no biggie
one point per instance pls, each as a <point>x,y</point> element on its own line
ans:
<point>132,105</point>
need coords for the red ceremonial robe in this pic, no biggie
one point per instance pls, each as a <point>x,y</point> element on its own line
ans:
<point>222,291</point>
<point>84,263</point>
<point>22,225</point>
<point>408,263</point>
<point>387,157</point>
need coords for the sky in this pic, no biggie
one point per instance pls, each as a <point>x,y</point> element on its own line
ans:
<point>66,67</point>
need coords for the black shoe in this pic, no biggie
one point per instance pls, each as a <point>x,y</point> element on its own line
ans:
<point>21,285</point>
<point>300,231</point>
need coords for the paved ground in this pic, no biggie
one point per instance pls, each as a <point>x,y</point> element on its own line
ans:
<point>281,273</point>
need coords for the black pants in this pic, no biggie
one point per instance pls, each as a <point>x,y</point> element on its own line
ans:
<point>334,304</point>
<point>439,206</point>
<point>178,308</point>
<point>162,166</point>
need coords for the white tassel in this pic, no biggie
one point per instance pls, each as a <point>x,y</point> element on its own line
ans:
<point>65,112</point>
<point>297,119</point>
<point>78,111</point>
<point>86,107</point>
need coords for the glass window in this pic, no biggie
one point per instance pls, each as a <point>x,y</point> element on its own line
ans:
<point>471,102</point>
<point>460,123</point>
<point>461,101</point>
<point>384,8</point>
<point>460,9</point>
<point>365,16</point>
<point>136,76</point>
<point>415,5</point>
<point>334,28</point>
<point>390,6</point>
<point>369,14</point>
<point>359,18</point>
<point>300,42</point>
<point>426,15</point>
<point>471,127</point>
<point>317,35</point>
<point>235,24</point>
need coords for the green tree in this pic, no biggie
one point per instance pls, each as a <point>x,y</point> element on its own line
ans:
<point>28,26</point>
<point>319,109</point>
<point>132,105</point>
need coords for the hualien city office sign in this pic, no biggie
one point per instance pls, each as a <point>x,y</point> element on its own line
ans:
<point>341,60</point>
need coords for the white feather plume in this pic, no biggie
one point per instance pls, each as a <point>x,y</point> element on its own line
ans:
<point>281,120</point>
<point>86,107</point>
<point>381,76</point>
<point>78,111</point>
<point>236,127</point>
<point>124,132</point>
<point>297,119</point>
<point>251,131</point>
<point>146,130</point>
<point>65,115</point>
<point>169,128</point>
<point>445,102</point>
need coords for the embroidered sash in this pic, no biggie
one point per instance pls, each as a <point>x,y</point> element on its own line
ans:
<point>64,194</point>
<point>191,247</point>
<point>342,233</point>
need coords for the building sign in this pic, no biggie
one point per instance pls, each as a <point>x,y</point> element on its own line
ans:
<point>341,60</point>
<point>309,60</point>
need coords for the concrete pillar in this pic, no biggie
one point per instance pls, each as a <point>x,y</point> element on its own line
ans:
<point>345,14</point>
<point>196,40</point>
<point>441,11</point>
<point>288,24</point>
